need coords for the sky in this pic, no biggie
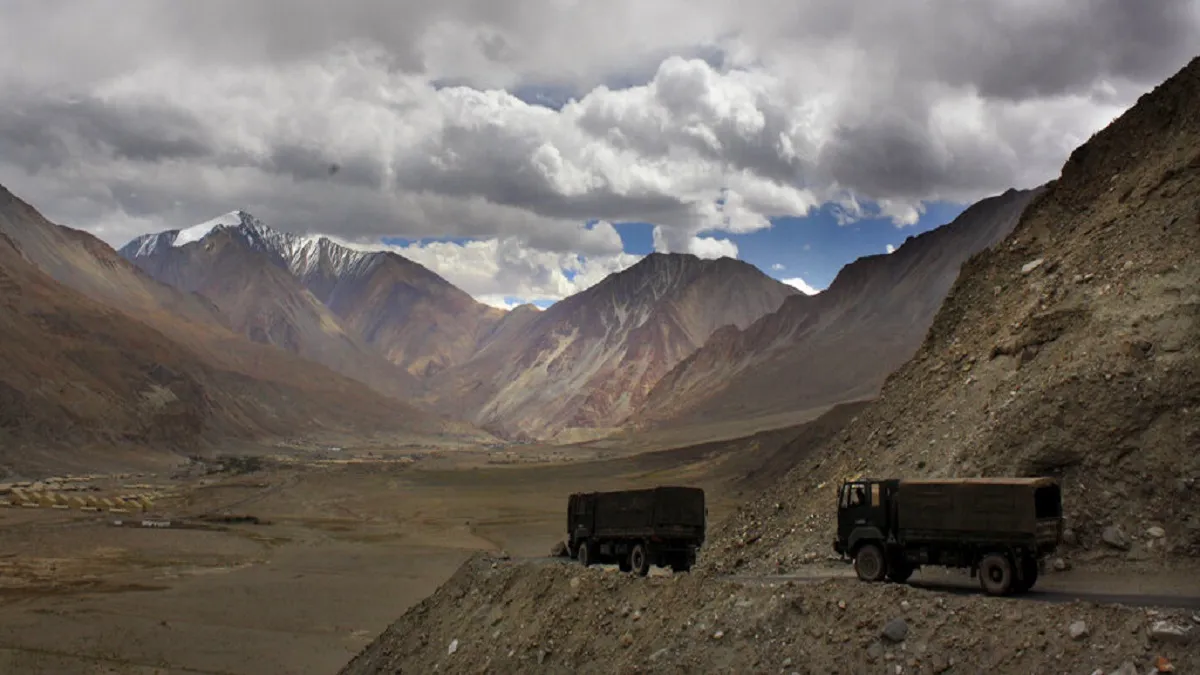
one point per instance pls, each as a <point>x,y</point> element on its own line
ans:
<point>524,149</point>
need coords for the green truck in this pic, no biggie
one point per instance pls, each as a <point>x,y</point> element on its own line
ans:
<point>1001,529</point>
<point>635,529</point>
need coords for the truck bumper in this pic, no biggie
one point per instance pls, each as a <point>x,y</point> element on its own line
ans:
<point>837,547</point>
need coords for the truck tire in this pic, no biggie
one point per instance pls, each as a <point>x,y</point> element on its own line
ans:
<point>996,574</point>
<point>899,571</point>
<point>869,563</point>
<point>639,561</point>
<point>1029,575</point>
<point>584,553</point>
<point>681,562</point>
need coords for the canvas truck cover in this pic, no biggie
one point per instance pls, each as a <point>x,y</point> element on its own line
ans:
<point>651,509</point>
<point>977,505</point>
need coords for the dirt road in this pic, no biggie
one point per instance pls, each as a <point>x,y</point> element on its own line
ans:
<point>1165,590</point>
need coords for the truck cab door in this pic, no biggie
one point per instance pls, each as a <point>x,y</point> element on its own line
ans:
<point>583,516</point>
<point>859,506</point>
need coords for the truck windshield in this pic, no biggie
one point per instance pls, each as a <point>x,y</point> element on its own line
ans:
<point>853,495</point>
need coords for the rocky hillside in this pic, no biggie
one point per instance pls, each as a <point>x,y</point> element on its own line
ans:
<point>584,364</point>
<point>320,298</point>
<point>495,616</point>
<point>1073,350</point>
<point>97,352</point>
<point>838,345</point>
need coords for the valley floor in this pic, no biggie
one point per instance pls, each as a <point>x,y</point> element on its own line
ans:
<point>344,543</point>
<point>297,561</point>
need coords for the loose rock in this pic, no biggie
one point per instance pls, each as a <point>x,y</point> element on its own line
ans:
<point>895,630</point>
<point>1165,631</point>
<point>1115,538</point>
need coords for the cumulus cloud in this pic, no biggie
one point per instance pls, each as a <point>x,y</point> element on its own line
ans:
<point>373,118</point>
<point>801,285</point>
<point>506,272</point>
<point>778,267</point>
<point>890,249</point>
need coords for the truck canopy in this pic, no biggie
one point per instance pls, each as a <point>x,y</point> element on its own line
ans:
<point>978,504</point>
<point>660,509</point>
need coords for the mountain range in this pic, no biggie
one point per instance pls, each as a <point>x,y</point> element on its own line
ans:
<point>323,337</point>
<point>835,346</point>
<point>98,353</point>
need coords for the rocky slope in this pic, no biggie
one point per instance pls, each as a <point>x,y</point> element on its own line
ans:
<point>97,352</point>
<point>328,293</point>
<point>1073,350</point>
<point>501,617</point>
<point>838,345</point>
<point>585,363</point>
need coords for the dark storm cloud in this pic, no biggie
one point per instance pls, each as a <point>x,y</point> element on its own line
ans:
<point>311,163</point>
<point>1018,52</point>
<point>894,155</point>
<point>43,132</point>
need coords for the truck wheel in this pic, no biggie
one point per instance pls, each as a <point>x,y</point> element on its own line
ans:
<point>639,562</point>
<point>584,554</point>
<point>996,574</point>
<point>869,564</point>
<point>1029,575</point>
<point>899,571</point>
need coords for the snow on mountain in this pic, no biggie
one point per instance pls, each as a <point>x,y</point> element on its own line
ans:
<point>299,254</point>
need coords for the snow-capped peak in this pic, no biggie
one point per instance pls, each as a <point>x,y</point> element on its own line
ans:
<point>198,232</point>
<point>298,253</point>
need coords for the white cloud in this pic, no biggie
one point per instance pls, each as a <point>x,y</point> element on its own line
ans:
<point>891,249</point>
<point>495,270</point>
<point>778,267</point>
<point>802,285</point>
<point>340,121</point>
<point>711,247</point>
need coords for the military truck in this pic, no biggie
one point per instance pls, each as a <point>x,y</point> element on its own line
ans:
<point>1000,528</point>
<point>662,526</point>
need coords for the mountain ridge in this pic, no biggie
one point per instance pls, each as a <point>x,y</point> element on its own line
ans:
<point>837,345</point>
<point>584,361</point>
<point>375,295</point>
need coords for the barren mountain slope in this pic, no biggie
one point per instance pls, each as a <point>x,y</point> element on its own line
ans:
<point>266,392</point>
<point>1073,349</point>
<point>80,377</point>
<point>838,345</point>
<point>587,361</point>
<point>265,302</point>
<point>76,371</point>
<point>79,260</point>
<point>413,317</point>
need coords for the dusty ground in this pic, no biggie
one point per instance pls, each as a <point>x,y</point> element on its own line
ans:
<point>347,541</point>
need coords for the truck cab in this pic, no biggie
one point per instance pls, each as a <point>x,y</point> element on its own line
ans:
<point>863,513</point>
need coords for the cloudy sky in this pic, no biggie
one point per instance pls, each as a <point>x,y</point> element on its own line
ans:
<point>526,148</point>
